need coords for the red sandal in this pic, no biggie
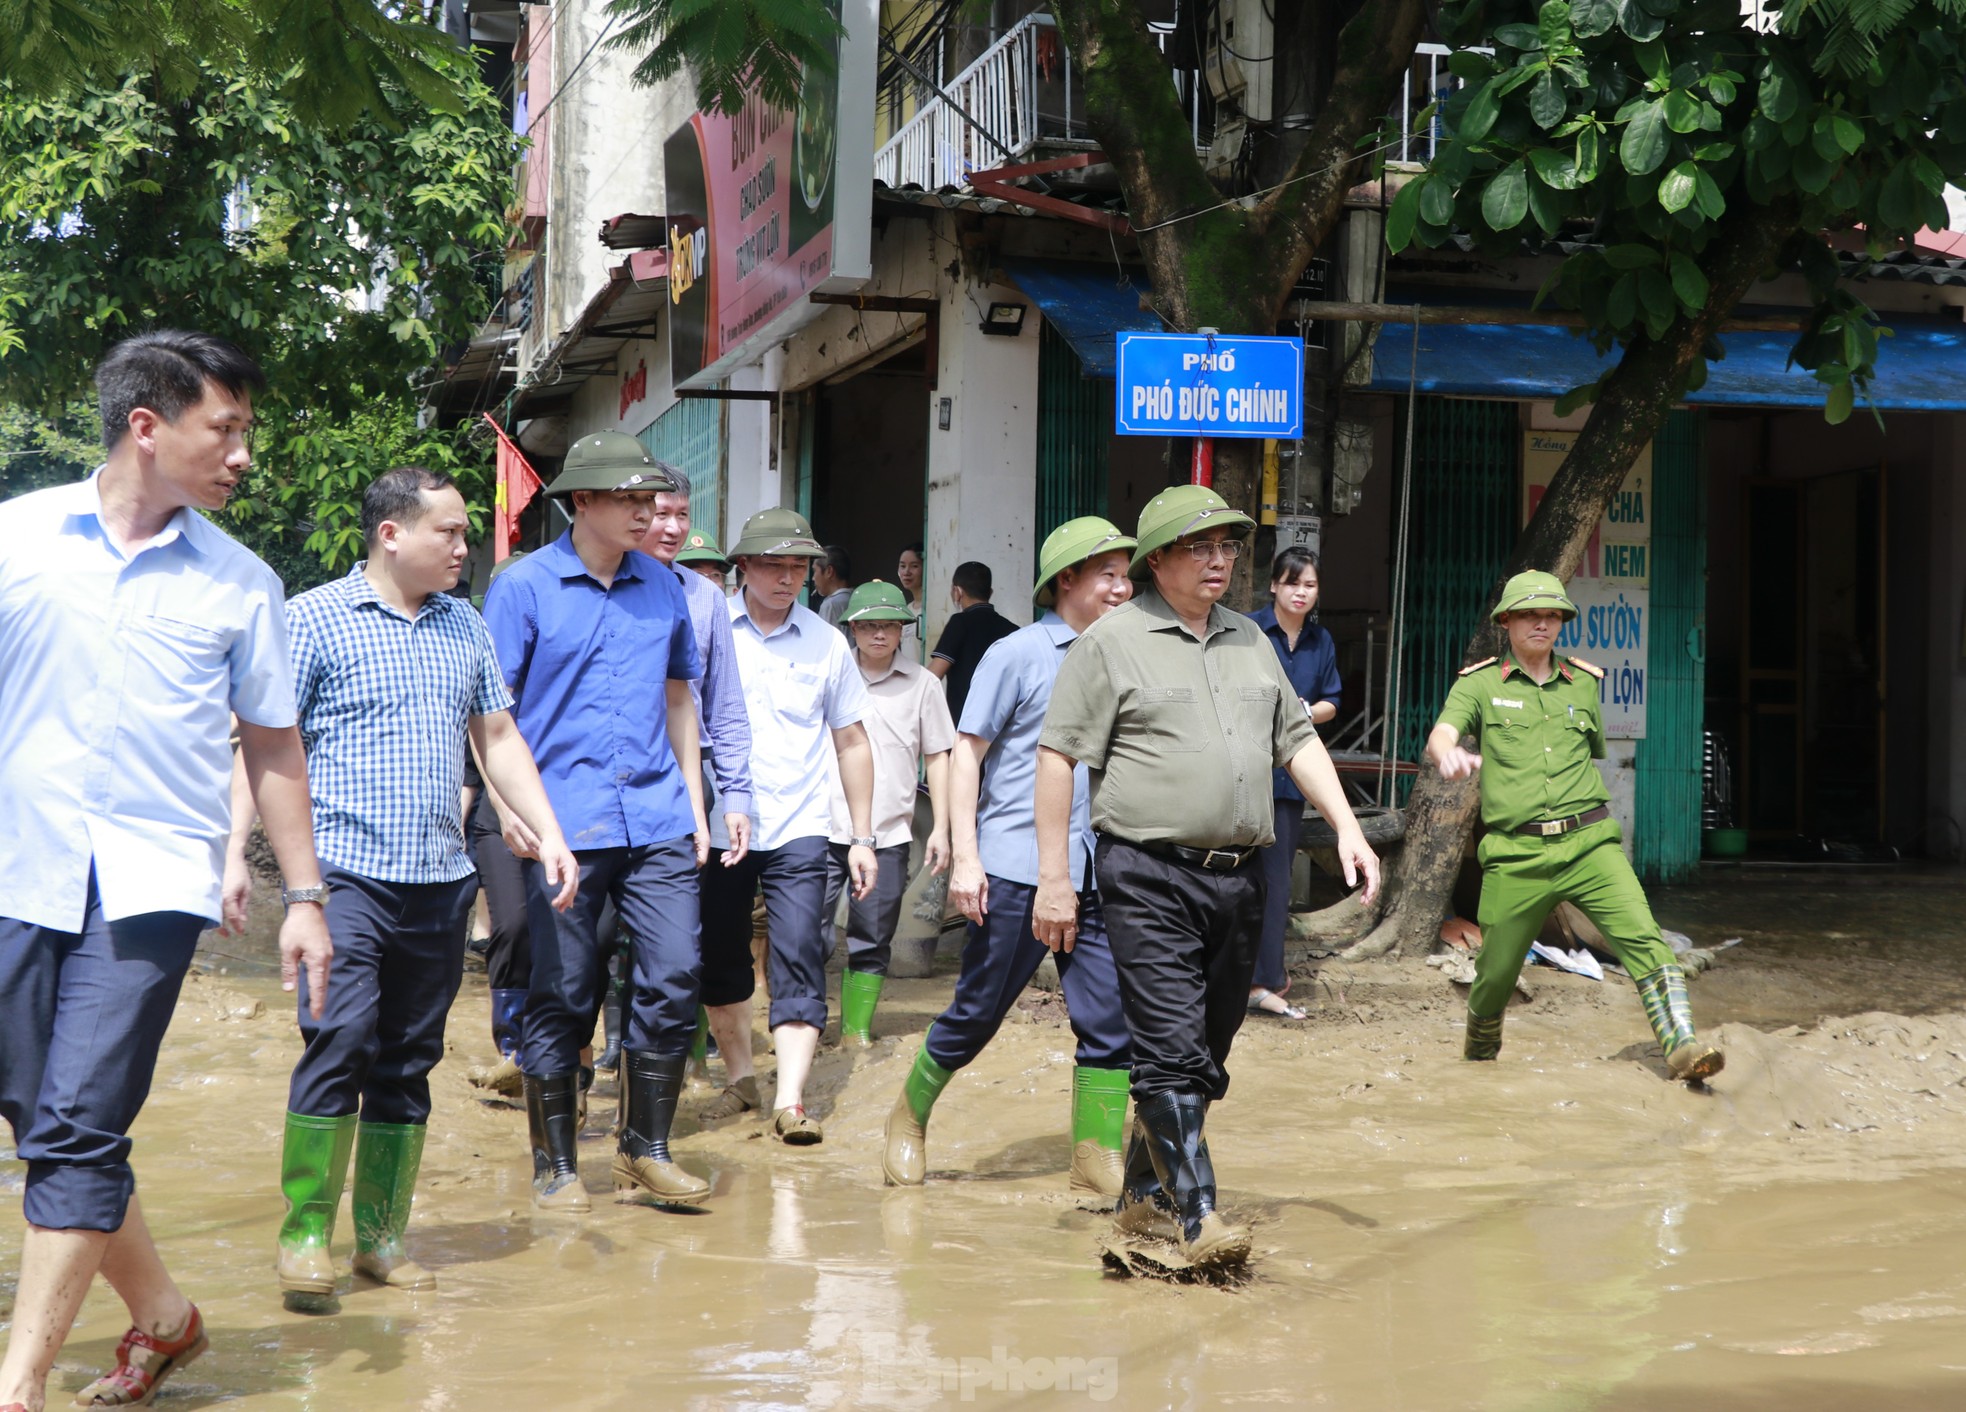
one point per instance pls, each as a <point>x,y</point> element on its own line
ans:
<point>143,1361</point>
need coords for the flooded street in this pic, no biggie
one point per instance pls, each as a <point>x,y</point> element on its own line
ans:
<point>1562,1230</point>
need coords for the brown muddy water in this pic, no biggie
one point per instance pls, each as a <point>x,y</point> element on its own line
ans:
<point>1562,1230</point>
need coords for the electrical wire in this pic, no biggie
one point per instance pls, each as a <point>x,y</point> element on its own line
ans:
<point>1247,201</point>
<point>574,73</point>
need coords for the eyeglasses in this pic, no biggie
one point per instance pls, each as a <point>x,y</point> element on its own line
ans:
<point>1206,549</point>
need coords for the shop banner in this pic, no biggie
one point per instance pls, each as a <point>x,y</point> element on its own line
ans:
<point>1193,384</point>
<point>767,206</point>
<point>1612,588</point>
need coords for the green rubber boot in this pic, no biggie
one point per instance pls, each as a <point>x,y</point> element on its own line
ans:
<point>906,1160</point>
<point>1099,1130</point>
<point>387,1156</point>
<point>1484,1038</point>
<point>860,992</point>
<point>313,1170</point>
<point>1688,1057</point>
<point>696,1068</point>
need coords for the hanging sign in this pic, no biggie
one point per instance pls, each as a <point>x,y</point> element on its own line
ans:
<point>1612,587</point>
<point>1194,384</point>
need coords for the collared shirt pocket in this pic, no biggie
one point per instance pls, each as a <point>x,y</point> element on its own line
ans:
<point>187,652</point>
<point>1170,719</point>
<point>1258,717</point>
<point>1506,737</point>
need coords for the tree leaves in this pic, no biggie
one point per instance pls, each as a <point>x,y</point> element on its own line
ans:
<point>1547,102</point>
<point>1644,143</point>
<point>1591,18</point>
<point>1505,201</point>
<point>737,50</point>
<point>1677,187</point>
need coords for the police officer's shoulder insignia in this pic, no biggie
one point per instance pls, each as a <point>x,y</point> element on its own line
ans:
<point>1590,667</point>
<point>1473,667</point>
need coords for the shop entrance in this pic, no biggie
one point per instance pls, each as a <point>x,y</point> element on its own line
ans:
<point>865,474</point>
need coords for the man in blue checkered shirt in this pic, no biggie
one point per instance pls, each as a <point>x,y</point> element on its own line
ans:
<point>392,675</point>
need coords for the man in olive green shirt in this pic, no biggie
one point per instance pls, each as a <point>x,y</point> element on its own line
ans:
<point>1550,835</point>
<point>1180,710</point>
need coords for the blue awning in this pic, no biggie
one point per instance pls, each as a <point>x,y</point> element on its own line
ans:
<point>1920,368</point>
<point>1088,304</point>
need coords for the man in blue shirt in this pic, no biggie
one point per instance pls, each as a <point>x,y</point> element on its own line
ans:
<point>805,699</point>
<point>391,674</point>
<point>1082,570</point>
<point>595,640</point>
<point>132,631</point>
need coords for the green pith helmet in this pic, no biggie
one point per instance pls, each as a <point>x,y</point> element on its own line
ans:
<point>777,531</point>
<point>699,548</point>
<point>1182,510</point>
<point>1534,590</point>
<point>1073,543</point>
<point>877,602</point>
<point>613,460</point>
<point>507,562</point>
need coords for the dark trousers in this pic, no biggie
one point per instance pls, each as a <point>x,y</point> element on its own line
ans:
<point>999,959</point>
<point>1185,941</point>
<point>794,879</point>
<point>398,959</point>
<point>654,890</point>
<point>870,921</point>
<point>1277,860</point>
<point>508,959</point>
<point>81,1017</point>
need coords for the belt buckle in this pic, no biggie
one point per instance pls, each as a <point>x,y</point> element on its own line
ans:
<point>1208,860</point>
<point>1551,828</point>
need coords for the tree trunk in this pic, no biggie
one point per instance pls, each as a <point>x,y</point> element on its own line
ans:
<point>1631,406</point>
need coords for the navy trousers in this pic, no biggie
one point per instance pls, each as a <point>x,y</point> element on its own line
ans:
<point>508,959</point>
<point>870,921</point>
<point>1185,940</point>
<point>81,1017</point>
<point>794,879</point>
<point>398,960</point>
<point>1000,957</point>
<point>654,889</point>
<point>1277,860</point>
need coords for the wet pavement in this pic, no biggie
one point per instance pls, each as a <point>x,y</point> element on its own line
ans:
<point>1562,1230</point>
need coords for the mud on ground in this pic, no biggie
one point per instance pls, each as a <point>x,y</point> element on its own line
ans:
<point>1561,1230</point>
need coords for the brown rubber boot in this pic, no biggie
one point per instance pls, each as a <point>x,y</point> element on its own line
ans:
<point>505,1078</point>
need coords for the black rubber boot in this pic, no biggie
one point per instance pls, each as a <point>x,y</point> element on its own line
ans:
<point>552,1105</point>
<point>609,1058</point>
<point>1144,1207</point>
<point>650,1087</point>
<point>1173,1124</point>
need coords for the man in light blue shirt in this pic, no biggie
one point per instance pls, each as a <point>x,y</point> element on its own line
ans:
<point>805,699</point>
<point>132,631</point>
<point>994,877</point>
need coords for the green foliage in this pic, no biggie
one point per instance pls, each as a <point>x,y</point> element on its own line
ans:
<point>737,49</point>
<point>337,62</point>
<point>1639,124</point>
<point>37,452</point>
<point>359,264</point>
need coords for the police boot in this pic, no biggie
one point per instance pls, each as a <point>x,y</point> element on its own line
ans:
<point>551,1104</point>
<point>1144,1208</point>
<point>905,1162</point>
<point>649,1089</point>
<point>387,1156</point>
<point>1098,1130</point>
<point>313,1170</point>
<point>1688,1057</point>
<point>1173,1122</point>
<point>860,992</point>
<point>1484,1039</point>
<point>504,1077</point>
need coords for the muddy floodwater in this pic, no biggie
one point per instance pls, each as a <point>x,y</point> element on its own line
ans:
<point>1561,1230</point>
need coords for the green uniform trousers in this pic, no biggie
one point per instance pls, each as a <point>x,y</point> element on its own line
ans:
<point>1523,876</point>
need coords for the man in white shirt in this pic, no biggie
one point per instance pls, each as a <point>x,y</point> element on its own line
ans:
<point>132,632</point>
<point>805,700</point>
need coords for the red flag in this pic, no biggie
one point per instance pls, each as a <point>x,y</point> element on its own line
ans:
<point>517,484</point>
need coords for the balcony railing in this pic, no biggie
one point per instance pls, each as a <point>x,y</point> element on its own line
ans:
<point>1428,81</point>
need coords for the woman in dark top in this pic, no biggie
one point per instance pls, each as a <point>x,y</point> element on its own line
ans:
<point>1311,662</point>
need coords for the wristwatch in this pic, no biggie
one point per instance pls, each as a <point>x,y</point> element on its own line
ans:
<point>291,895</point>
<point>860,843</point>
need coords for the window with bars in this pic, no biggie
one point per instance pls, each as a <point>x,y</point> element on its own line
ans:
<point>691,435</point>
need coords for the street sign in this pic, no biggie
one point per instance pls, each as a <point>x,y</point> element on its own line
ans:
<point>1195,384</point>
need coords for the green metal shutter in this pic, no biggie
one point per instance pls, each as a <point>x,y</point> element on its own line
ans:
<point>1071,438</point>
<point>1666,834</point>
<point>691,435</point>
<point>1467,459</point>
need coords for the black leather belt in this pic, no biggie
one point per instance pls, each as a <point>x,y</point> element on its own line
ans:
<point>1552,828</point>
<point>1216,860</point>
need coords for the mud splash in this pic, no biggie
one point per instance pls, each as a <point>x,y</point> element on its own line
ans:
<point>1561,1230</point>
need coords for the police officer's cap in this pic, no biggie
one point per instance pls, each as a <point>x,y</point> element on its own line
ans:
<point>700,548</point>
<point>613,460</point>
<point>1534,589</point>
<point>1183,510</point>
<point>1071,544</point>
<point>777,531</point>
<point>877,602</point>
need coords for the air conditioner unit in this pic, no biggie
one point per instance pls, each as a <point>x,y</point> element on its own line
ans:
<point>1239,56</point>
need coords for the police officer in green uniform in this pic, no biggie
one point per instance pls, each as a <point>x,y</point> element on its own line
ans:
<point>1180,712</point>
<point>1550,837</point>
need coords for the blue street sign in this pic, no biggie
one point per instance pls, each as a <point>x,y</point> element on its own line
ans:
<point>1195,384</point>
